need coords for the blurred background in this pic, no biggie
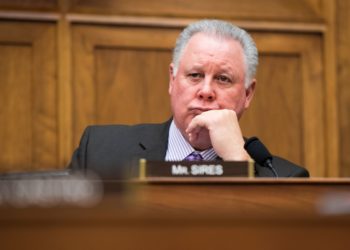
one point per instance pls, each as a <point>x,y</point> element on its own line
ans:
<point>68,64</point>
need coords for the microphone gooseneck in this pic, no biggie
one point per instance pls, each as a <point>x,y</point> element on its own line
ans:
<point>257,150</point>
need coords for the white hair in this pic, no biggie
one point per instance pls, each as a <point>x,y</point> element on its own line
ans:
<point>220,29</point>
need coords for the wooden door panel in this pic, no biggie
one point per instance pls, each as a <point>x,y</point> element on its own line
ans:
<point>15,106</point>
<point>129,83</point>
<point>120,75</point>
<point>28,128</point>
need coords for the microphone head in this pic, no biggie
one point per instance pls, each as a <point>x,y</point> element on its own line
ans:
<point>257,150</point>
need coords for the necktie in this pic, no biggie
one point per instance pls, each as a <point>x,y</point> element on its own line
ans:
<point>194,156</point>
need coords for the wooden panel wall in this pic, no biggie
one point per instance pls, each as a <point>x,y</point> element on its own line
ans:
<point>110,65</point>
<point>343,71</point>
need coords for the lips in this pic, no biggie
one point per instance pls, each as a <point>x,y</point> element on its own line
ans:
<point>198,110</point>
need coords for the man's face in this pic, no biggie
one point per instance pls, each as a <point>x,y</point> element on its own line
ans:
<point>210,76</point>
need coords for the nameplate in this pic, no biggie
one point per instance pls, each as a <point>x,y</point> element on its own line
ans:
<point>195,169</point>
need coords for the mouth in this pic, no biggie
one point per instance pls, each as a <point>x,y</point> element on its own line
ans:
<point>198,110</point>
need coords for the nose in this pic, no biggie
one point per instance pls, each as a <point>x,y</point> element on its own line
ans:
<point>206,91</point>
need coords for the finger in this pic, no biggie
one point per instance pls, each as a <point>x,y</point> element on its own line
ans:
<point>196,124</point>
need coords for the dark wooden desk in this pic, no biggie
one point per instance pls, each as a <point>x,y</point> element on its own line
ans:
<point>172,214</point>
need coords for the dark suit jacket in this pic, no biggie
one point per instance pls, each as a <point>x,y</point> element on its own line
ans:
<point>112,151</point>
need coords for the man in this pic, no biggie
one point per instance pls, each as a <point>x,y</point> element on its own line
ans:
<point>211,84</point>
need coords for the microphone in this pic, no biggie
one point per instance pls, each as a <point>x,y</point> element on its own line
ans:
<point>257,150</point>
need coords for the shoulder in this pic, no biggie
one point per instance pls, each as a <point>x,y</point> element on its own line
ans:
<point>107,146</point>
<point>123,130</point>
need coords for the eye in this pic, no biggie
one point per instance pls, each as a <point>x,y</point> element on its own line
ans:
<point>195,76</point>
<point>222,79</point>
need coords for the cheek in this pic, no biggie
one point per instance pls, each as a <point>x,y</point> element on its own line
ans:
<point>178,98</point>
<point>176,93</point>
<point>182,93</point>
<point>234,99</point>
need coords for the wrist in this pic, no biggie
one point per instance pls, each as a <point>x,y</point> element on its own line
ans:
<point>237,156</point>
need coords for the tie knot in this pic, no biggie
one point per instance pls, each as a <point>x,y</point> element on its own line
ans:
<point>194,156</point>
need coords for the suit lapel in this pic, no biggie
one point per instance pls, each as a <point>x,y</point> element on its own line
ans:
<point>154,142</point>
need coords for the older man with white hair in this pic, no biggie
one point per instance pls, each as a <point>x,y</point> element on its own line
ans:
<point>212,82</point>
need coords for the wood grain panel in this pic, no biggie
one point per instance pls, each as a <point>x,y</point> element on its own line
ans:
<point>120,75</point>
<point>343,73</point>
<point>28,97</point>
<point>15,106</point>
<point>302,10</point>
<point>129,84</point>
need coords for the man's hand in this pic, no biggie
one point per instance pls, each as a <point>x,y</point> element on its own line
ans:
<point>219,129</point>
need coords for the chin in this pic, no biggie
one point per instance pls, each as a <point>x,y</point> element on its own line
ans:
<point>202,142</point>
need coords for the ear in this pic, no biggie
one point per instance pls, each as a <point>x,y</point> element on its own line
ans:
<point>171,77</point>
<point>250,93</point>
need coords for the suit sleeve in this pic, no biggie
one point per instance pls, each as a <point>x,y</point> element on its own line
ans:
<point>289,169</point>
<point>300,172</point>
<point>283,167</point>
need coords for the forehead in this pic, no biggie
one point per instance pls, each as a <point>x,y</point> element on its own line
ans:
<point>209,52</point>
